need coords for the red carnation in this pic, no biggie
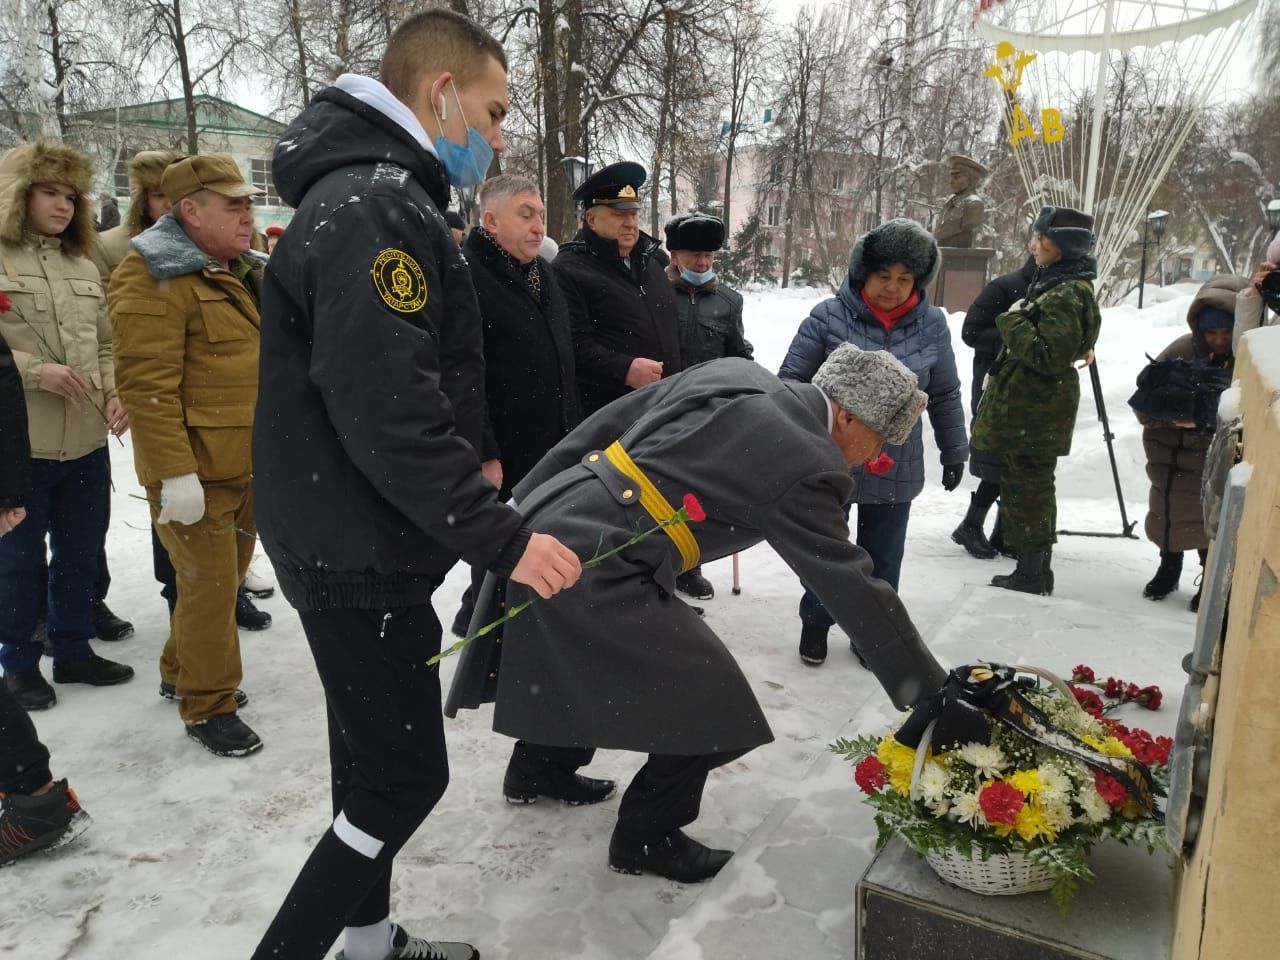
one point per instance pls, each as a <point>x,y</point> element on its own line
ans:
<point>5,303</point>
<point>1150,697</point>
<point>1091,702</point>
<point>1114,688</point>
<point>1000,802</point>
<point>1082,673</point>
<point>694,509</point>
<point>880,465</point>
<point>1109,788</point>
<point>869,774</point>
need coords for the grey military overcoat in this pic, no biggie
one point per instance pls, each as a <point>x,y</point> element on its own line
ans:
<point>618,661</point>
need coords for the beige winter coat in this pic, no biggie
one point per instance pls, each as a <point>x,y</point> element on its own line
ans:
<point>59,308</point>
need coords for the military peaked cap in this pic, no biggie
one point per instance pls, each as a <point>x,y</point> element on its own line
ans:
<point>617,185</point>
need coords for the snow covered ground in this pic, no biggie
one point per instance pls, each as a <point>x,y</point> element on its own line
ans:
<point>190,855</point>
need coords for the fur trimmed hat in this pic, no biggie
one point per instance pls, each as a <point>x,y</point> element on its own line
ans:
<point>695,232</point>
<point>46,161</point>
<point>874,386</point>
<point>146,170</point>
<point>1070,230</point>
<point>1218,294</point>
<point>895,241</point>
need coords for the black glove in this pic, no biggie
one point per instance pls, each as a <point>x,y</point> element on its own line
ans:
<point>952,474</point>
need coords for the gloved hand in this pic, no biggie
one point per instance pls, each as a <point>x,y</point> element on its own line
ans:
<point>181,500</point>
<point>952,474</point>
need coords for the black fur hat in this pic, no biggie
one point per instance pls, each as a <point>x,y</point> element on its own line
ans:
<point>1070,230</point>
<point>895,241</point>
<point>695,232</point>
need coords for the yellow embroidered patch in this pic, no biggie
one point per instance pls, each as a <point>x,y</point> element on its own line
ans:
<point>399,281</point>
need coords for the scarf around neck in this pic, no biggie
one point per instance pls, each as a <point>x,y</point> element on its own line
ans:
<point>1081,268</point>
<point>888,318</point>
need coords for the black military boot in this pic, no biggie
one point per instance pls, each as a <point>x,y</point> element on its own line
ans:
<point>96,671</point>
<point>676,856</point>
<point>107,625</point>
<point>249,617</point>
<point>997,538</point>
<point>969,534</point>
<point>530,776</point>
<point>1167,576</point>
<point>1028,576</point>
<point>31,689</point>
<point>813,644</point>
<point>695,585</point>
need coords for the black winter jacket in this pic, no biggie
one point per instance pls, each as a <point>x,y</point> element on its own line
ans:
<point>618,311</point>
<point>15,446</point>
<point>367,483</point>
<point>528,360</point>
<point>710,319</point>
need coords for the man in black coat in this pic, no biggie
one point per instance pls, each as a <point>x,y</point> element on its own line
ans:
<point>620,302</point>
<point>366,477</point>
<point>979,331</point>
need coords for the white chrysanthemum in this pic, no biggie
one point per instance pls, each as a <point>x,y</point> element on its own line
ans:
<point>987,760</point>
<point>933,783</point>
<point>966,809</point>
<point>1095,808</point>
<point>1055,786</point>
<point>939,808</point>
<point>1057,814</point>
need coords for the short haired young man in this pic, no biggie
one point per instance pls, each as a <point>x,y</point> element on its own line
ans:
<point>369,418</point>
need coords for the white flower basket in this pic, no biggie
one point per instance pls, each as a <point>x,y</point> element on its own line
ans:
<point>1000,875</point>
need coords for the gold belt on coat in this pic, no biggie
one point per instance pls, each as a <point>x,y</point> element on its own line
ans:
<point>657,506</point>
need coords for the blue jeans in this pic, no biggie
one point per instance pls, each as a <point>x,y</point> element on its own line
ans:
<point>882,532</point>
<point>68,504</point>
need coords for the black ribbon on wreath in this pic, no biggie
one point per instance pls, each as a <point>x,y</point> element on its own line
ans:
<point>976,696</point>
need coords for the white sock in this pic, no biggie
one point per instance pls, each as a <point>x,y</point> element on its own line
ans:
<point>369,943</point>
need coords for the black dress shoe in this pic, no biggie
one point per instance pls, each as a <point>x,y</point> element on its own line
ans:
<point>107,625</point>
<point>96,671</point>
<point>813,644</point>
<point>249,617</point>
<point>31,689</point>
<point>694,584</point>
<point>225,735</point>
<point>170,692</point>
<point>529,778</point>
<point>676,857</point>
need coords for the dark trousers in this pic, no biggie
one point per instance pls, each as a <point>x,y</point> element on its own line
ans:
<point>67,504</point>
<point>1028,500</point>
<point>24,760</point>
<point>162,567</point>
<point>388,764</point>
<point>882,532</point>
<point>663,796</point>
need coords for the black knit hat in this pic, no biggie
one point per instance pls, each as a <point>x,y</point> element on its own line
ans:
<point>454,219</point>
<point>1070,230</point>
<point>895,241</point>
<point>695,232</point>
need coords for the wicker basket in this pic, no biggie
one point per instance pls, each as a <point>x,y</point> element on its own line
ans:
<point>1000,875</point>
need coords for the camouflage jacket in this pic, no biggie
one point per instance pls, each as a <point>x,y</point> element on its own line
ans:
<point>1033,393</point>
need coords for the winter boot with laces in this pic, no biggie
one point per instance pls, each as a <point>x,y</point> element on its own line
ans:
<point>1028,576</point>
<point>43,821</point>
<point>1167,576</point>
<point>405,947</point>
<point>695,585</point>
<point>107,625</point>
<point>969,534</point>
<point>225,735</point>
<point>248,616</point>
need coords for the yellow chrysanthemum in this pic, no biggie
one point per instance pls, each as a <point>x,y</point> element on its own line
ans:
<point>898,760</point>
<point>1031,823</point>
<point>1027,781</point>
<point>1108,745</point>
<point>1132,809</point>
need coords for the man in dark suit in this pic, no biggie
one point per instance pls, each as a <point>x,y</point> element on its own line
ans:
<point>619,662</point>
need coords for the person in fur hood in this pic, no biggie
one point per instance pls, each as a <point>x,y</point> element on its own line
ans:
<point>147,204</point>
<point>53,319</point>
<point>883,305</point>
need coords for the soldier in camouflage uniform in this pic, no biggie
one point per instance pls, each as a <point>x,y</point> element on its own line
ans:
<point>1028,411</point>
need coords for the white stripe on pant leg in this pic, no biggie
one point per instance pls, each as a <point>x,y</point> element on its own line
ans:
<point>355,838</point>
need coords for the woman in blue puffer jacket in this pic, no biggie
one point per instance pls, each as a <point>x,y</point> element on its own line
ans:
<point>882,305</point>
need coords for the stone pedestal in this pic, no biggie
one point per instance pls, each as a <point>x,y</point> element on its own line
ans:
<point>962,277</point>
<point>906,912</point>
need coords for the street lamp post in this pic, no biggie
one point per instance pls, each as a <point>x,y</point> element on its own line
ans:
<point>467,201</point>
<point>576,171</point>
<point>1156,221</point>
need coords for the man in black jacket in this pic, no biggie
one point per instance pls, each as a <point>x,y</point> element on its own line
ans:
<point>367,481</point>
<point>620,302</point>
<point>979,331</point>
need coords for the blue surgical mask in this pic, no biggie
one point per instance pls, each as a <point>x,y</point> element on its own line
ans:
<point>466,166</point>
<point>697,279</point>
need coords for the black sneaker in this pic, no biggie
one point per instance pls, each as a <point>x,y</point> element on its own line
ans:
<point>225,735</point>
<point>405,947</point>
<point>695,585</point>
<point>107,625</point>
<point>31,689</point>
<point>44,822</point>
<point>676,856</point>
<point>249,617</point>
<point>529,777</point>
<point>169,692</point>
<point>813,644</point>
<point>94,670</point>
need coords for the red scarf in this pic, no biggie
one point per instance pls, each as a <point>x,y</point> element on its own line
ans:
<point>889,317</point>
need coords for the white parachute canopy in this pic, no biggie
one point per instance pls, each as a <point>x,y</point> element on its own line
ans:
<point>1100,95</point>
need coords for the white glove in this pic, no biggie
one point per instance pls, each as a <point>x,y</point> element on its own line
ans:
<point>181,500</point>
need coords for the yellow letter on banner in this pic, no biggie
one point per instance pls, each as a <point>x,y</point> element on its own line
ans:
<point>1051,123</point>
<point>1021,127</point>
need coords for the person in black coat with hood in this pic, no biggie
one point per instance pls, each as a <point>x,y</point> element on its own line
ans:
<point>621,304</point>
<point>366,478</point>
<point>979,331</point>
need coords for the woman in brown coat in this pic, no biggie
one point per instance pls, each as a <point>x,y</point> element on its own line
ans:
<point>1176,450</point>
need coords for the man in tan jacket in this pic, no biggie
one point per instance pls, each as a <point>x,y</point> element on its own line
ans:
<point>184,314</point>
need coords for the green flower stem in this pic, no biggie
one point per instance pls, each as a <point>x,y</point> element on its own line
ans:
<point>53,355</point>
<point>680,516</point>
<point>226,525</point>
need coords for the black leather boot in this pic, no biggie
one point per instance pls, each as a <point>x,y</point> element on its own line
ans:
<point>676,856</point>
<point>94,670</point>
<point>1028,576</point>
<point>248,616</point>
<point>695,585</point>
<point>107,625</point>
<point>530,776</point>
<point>969,534</point>
<point>1167,576</point>
<point>997,538</point>
<point>813,644</point>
